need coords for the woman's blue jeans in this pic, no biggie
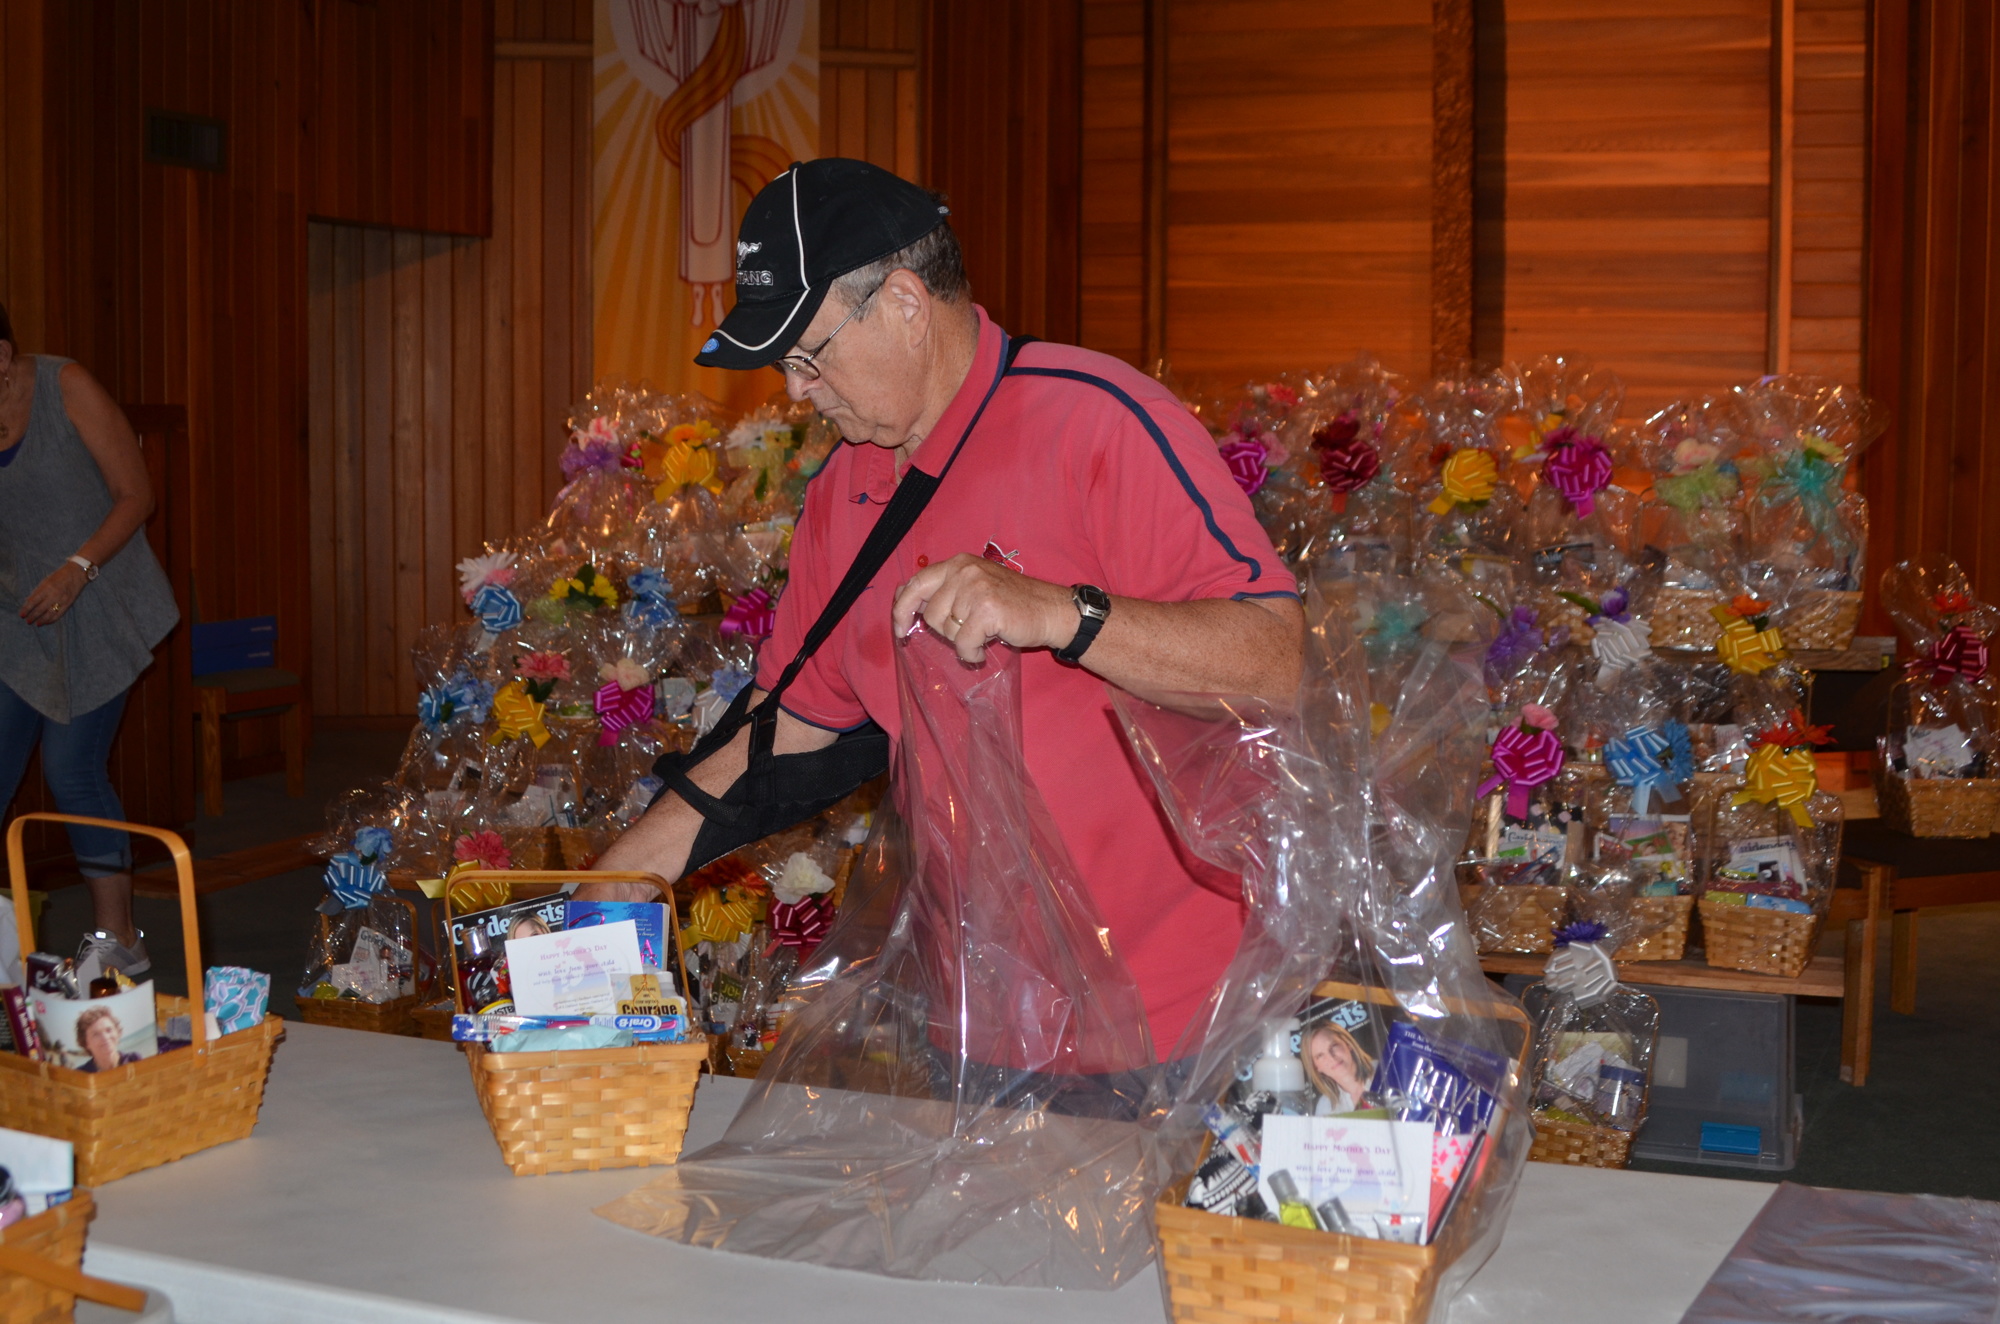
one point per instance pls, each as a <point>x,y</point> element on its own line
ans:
<point>75,755</point>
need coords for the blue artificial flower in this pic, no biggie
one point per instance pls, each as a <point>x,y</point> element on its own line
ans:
<point>434,706</point>
<point>372,843</point>
<point>1583,930</point>
<point>497,608</point>
<point>656,612</point>
<point>729,681</point>
<point>647,582</point>
<point>470,696</point>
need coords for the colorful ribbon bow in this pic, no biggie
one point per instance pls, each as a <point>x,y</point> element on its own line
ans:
<point>515,714</point>
<point>679,464</point>
<point>1650,760</point>
<point>619,708</point>
<point>1710,485</point>
<point>353,882</point>
<point>721,914</point>
<point>1578,468</point>
<point>754,616</point>
<point>1347,460</point>
<point>764,465</point>
<point>1780,776</point>
<point>497,608</point>
<point>1248,461</point>
<point>1742,646</point>
<point>1469,477</point>
<point>1960,651</point>
<point>801,925</point>
<point>1523,760</point>
<point>469,894</point>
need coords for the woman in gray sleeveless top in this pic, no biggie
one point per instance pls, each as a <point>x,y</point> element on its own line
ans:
<point>82,604</point>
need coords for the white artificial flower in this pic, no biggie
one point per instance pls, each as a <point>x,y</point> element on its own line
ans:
<point>628,674</point>
<point>802,878</point>
<point>475,572</point>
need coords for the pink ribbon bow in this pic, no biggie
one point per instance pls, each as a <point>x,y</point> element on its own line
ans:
<point>1578,467</point>
<point>754,616</point>
<point>1960,652</point>
<point>1347,460</point>
<point>618,709</point>
<point>1523,760</point>
<point>801,925</point>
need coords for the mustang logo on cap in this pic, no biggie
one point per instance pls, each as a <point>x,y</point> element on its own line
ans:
<point>745,247</point>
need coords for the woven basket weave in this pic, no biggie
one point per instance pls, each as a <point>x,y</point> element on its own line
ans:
<point>1764,942</point>
<point>432,1022</point>
<point>1223,1270</point>
<point>1938,806</point>
<point>1820,618</point>
<point>590,1109</point>
<point>1663,928</point>
<point>1681,618</point>
<point>56,1236</point>
<point>1583,1146</point>
<point>1521,917</point>
<point>156,1110</point>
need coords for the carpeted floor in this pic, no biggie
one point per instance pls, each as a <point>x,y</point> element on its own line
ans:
<point>1922,1123</point>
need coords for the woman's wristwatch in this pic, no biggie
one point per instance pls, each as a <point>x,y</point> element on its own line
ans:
<point>1093,604</point>
<point>88,566</point>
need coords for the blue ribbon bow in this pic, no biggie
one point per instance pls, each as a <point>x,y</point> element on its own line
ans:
<point>353,882</point>
<point>497,608</point>
<point>1651,760</point>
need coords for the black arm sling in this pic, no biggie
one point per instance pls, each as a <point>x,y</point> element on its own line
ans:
<point>779,790</point>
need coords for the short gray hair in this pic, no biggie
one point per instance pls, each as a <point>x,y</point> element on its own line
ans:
<point>935,259</point>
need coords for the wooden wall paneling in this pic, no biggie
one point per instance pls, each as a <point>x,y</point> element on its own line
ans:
<point>1111,195</point>
<point>1298,205</point>
<point>23,255</point>
<point>1829,196</point>
<point>1885,261</point>
<point>444,370</point>
<point>1002,108</point>
<point>1784,112</point>
<point>869,57</point>
<point>400,123</point>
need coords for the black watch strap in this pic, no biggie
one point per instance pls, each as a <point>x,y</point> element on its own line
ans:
<point>1093,604</point>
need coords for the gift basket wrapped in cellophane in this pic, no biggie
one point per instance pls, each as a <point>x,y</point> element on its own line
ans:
<point>1593,1056</point>
<point>960,1090</point>
<point>1331,494</point>
<point>1934,765</point>
<point>1351,1126</point>
<point>1805,529</point>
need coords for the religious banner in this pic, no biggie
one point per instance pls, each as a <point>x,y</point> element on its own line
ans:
<point>697,105</point>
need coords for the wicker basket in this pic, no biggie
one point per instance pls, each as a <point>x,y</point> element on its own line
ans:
<point>432,1021</point>
<point>1764,942</point>
<point>1820,618</point>
<point>528,848</point>
<point>1681,619</point>
<point>1938,806</point>
<point>391,1017</point>
<point>1220,1270</point>
<point>1554,611</point>
<point>1663,926</point>
<point>40,1274</point>
<point>157,1110</point>
<point>590,1109</point>
<point>1518,918</point>
<point>582,845</point>
<point>1575,1143</point>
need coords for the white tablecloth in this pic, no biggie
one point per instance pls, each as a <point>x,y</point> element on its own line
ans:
<point>373,1190</point>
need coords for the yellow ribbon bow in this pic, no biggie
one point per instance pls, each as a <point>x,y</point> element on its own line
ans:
<point>470,894</point>
<point>721,914</point>
<point>1780,776</point>
<point>516,715</point>
<point>1469,478</point>
<point>1743,647</point>
<point>682,460</point>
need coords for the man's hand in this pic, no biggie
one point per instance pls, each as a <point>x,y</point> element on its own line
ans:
<point>971,602</point>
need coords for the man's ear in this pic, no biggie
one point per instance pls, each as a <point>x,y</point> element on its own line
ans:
<point>903,294</point>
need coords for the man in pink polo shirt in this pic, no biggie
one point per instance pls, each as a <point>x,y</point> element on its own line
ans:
<point>1079,515</point>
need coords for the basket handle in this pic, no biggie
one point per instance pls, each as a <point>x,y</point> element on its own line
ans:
<point>552,880</point>
<point>17,872</point>
<point>1499,1011</point>
<point>65,1279</point>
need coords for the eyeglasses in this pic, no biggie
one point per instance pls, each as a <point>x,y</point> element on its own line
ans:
<point>804,365</point>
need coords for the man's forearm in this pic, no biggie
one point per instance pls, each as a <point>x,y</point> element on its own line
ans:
<point>1212,646</point>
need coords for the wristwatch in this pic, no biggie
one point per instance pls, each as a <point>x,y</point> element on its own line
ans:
<point>1094,605</point>
<point>88,566</point>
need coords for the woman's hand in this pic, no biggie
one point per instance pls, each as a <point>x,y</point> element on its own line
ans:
<point>53,596</point>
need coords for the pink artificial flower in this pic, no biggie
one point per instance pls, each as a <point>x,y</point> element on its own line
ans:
<point>1533,714</point>
<point>543,666</point>
<point>483,848</point>
<point>1692,454</point>
<point>1281,395</point>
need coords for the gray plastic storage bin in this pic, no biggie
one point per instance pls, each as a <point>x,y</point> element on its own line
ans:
<point>1722,1080</point>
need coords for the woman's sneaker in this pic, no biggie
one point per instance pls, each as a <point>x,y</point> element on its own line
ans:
<point>100,952</point>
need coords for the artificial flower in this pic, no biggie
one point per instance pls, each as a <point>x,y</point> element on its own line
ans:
<point>1793,733</point>
<point>1951,603</point>
<point>485,849</point>
<point>1693,453</point>
<point>1534,717</point>
<point>475,572</point>
<point>626,673</point>
<point>729,681</point>
<point>542,666</point>
<point>801,877</point>
<point>372,843</point>
<point>586,590</point>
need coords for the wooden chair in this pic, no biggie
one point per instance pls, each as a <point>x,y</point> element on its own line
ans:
<point>1921,872</point>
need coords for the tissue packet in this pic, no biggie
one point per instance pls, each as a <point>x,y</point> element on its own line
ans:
<point>236,997</point>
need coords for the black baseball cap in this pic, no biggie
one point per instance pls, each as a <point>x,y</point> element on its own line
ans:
<point>805,229</point>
